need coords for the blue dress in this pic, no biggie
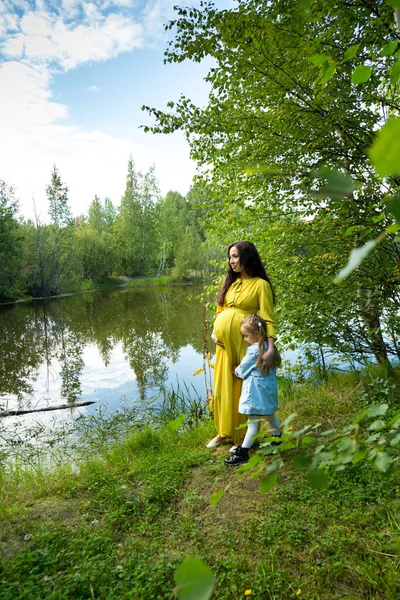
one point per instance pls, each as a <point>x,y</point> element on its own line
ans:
<point>259,392</point>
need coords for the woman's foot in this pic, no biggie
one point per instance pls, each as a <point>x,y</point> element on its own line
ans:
<point>215,442</point>
<point>233,449</point>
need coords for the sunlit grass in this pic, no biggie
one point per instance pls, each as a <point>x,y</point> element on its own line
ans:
<point>118,521</point>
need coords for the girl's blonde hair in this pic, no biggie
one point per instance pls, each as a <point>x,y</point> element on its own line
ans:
<point>256,325</point>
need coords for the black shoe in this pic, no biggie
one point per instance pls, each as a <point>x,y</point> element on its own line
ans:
<point>240,457</point>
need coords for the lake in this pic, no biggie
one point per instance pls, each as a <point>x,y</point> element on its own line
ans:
<point>110,348</point>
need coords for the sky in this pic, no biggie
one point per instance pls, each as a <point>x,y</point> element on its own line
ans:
<point>73,78</point>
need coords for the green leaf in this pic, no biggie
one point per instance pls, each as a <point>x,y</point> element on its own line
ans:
<point>376,410</point>
<point>267,482</point>
<point>394,3</point>
<point>344,444</point>
<point>328,69</point>
<point>395,441</point>
<point>394,73</point>
<point>178,422</point>
<point>255,460</point>
<point>275,465</point>
<point>194,580</point>
<point>385,152</point>
<point>360,454</point>
<point>306,440</point>
<point>300,461</point>
<point>286,446</point>
<point>328,432</point>
<point>287,422</point>
<point>343,458</point>
<point>351,52</point>
<point>338,184</point>
<point>382,462</point>
<point>393,228</point>
<point>216,497</point>
<point>317,478</point>
<point>319,59</point>
<point>378,218</point>
<point>389,49</point>
<point>355,259</point>
<point>350,230</point>
<point>393,206</point>
<point>376,425</point>
<point>361,74</point>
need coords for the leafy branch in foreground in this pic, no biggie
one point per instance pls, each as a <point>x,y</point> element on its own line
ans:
<point>373,436</point>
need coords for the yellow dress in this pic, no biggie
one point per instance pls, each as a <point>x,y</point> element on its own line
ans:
<point>244,297</point>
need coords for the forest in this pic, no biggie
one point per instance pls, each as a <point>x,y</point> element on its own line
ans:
<point>298,151</point>
<point>145,234</point>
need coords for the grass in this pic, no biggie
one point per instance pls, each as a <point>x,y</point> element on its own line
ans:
<point>117,524</point>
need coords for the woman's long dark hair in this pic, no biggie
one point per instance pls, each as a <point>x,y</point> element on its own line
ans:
<point>252,264</point>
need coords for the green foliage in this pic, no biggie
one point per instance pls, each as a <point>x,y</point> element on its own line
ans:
<point>135,225</point>
<point>194,580</point>
<point>385,152</point>
<point>10,243</point>
<point>317,451</point>
<point>297,91</point>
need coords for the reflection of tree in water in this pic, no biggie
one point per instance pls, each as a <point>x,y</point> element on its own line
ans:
<point>70,356</point>
<point>21,336</point>
<point>148,360</point>
<point>151,325</point>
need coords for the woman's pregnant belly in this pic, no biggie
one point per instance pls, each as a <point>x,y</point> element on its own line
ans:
<point>227,325</point>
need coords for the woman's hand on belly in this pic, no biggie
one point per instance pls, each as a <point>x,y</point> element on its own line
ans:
<point>216,340</point>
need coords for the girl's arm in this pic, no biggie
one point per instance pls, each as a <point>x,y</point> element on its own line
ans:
<point>248,363</point>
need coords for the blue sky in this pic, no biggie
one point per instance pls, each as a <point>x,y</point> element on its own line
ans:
<point>73,78</point>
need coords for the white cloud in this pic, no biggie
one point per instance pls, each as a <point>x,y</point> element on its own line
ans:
<point>46,37</point>
<point>35,136</point>
<point>37,131</point>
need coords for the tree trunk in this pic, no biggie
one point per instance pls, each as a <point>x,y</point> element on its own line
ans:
<point>371,319</point>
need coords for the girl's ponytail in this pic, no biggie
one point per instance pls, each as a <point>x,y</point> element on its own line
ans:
<point>256,324</point>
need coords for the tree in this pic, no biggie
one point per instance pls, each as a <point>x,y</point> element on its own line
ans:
<point>61,218</point>
<point>128,223</point>
<point>296,97</point>
<point>57,195</point>
<point>96,216</point>
<point>9,242</point>
<point>135,223</point>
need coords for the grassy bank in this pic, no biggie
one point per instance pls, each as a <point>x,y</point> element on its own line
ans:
<point>119,522</point>
<point>161,281</point>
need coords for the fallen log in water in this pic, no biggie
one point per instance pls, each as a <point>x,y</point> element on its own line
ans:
<point>13,413</point>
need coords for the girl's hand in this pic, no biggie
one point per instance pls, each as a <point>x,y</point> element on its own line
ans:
<point>216,340</point>
<point>267,361</point>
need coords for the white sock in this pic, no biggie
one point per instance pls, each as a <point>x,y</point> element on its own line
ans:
<point>252,428</point>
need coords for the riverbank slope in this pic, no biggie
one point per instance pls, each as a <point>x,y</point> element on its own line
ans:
<point>118,523</point>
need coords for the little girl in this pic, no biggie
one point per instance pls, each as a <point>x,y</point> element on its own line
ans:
<point>259,395</point>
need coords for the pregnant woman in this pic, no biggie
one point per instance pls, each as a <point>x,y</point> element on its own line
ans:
<point>245,290</point>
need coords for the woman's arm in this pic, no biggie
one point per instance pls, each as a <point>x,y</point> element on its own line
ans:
<point>216,340</point>
<point>267,313</point>
<point>266,308</point>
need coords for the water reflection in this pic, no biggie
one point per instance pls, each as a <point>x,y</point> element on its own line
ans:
<point>49,350</point>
